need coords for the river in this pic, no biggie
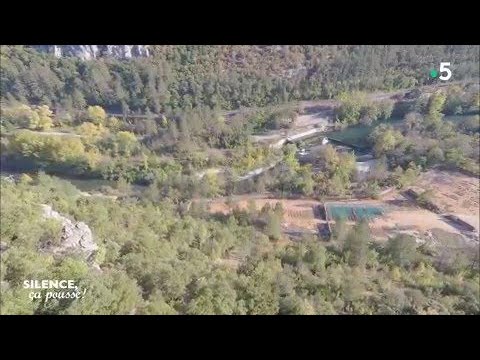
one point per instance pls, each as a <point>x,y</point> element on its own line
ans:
<point>358,135</point>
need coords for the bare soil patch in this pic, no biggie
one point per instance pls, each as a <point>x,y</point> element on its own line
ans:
<point>412,219</point>
<point>298,213</point>
<point>453,191</point>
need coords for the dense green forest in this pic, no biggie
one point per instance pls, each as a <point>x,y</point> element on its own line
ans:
<point>226,77</point>
<point>159,259</point>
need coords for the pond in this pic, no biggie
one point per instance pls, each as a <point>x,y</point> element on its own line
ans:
<point>358,135</point>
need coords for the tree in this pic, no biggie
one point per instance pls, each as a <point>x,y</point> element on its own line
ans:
<point>372,189</point>
<point>173,131</point>
<point>402,250</point>
<point>16,301</point>
<point>157,306</point>
<point>19,115</point>
<point>346,167</point>
<point>164,122</point>
<point>306,180</point>
<point>273,226</point>
<point>258,289</point>
<point>127,142</point>
<point>260,184</point>
<point>337,185</point>
<point>316,255</point>
<point>435,155</point>
<point>413,120</point>
<point>436,103</point>
<point>278,209</point>
<point>453,103</point>
<point>386,109</point>
<point>113,293</point>
<point>330,158</point>
<point>113,124</point>
<point>294,305</point>
<point>425,198</point>
<point>290,157</point>
<point>380,172</point>
<point>212,184</point>
<point>43,120</point>
<point>356,245</point>
<point>369,113</point>
<point>473,102</point>
<point>407,177</point>
<point>96,114</point>
<point>455,156</point>
<point>351,105</point>
<point>216,298</point>
<point>36,118</point>
<point>471,124</point>
<point>53,151</point>
<point>91,131</point>
<point>385,139</point>
<point>340,231</point>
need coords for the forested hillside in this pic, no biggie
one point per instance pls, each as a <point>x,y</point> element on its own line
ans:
<point>226,77</point>
<point>156,259</point>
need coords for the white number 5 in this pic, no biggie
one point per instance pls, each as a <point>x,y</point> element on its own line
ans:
<point>444,68</point>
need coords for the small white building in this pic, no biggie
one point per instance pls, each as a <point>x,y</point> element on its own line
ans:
<point>364,167</point>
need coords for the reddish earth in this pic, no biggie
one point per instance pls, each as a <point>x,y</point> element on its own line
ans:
<point>453,191</point>
<point>413,219</point>
<point>299,213</point>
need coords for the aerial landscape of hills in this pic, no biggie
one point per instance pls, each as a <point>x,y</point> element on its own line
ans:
<point>240,179</point>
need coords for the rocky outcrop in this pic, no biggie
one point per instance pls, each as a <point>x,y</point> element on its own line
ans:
<point>76,236</point>
<point>3,246</point>
<point>89,52</point>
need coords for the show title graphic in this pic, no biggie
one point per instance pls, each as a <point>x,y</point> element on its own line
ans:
<point>57,289</point>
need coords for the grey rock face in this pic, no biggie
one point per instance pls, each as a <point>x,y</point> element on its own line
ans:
<point>89,52</point>
<point>76,236</point>
<point>3,246</point>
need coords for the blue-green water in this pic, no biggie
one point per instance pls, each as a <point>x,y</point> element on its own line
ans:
<point>357,135</point>
<point>355,212</point>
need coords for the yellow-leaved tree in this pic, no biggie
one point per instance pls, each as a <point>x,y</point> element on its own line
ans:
<point>96,114</point>
<point>37,118</point>
<point>43,118</point>
<point>91,131</point>
<point>127,142</point>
